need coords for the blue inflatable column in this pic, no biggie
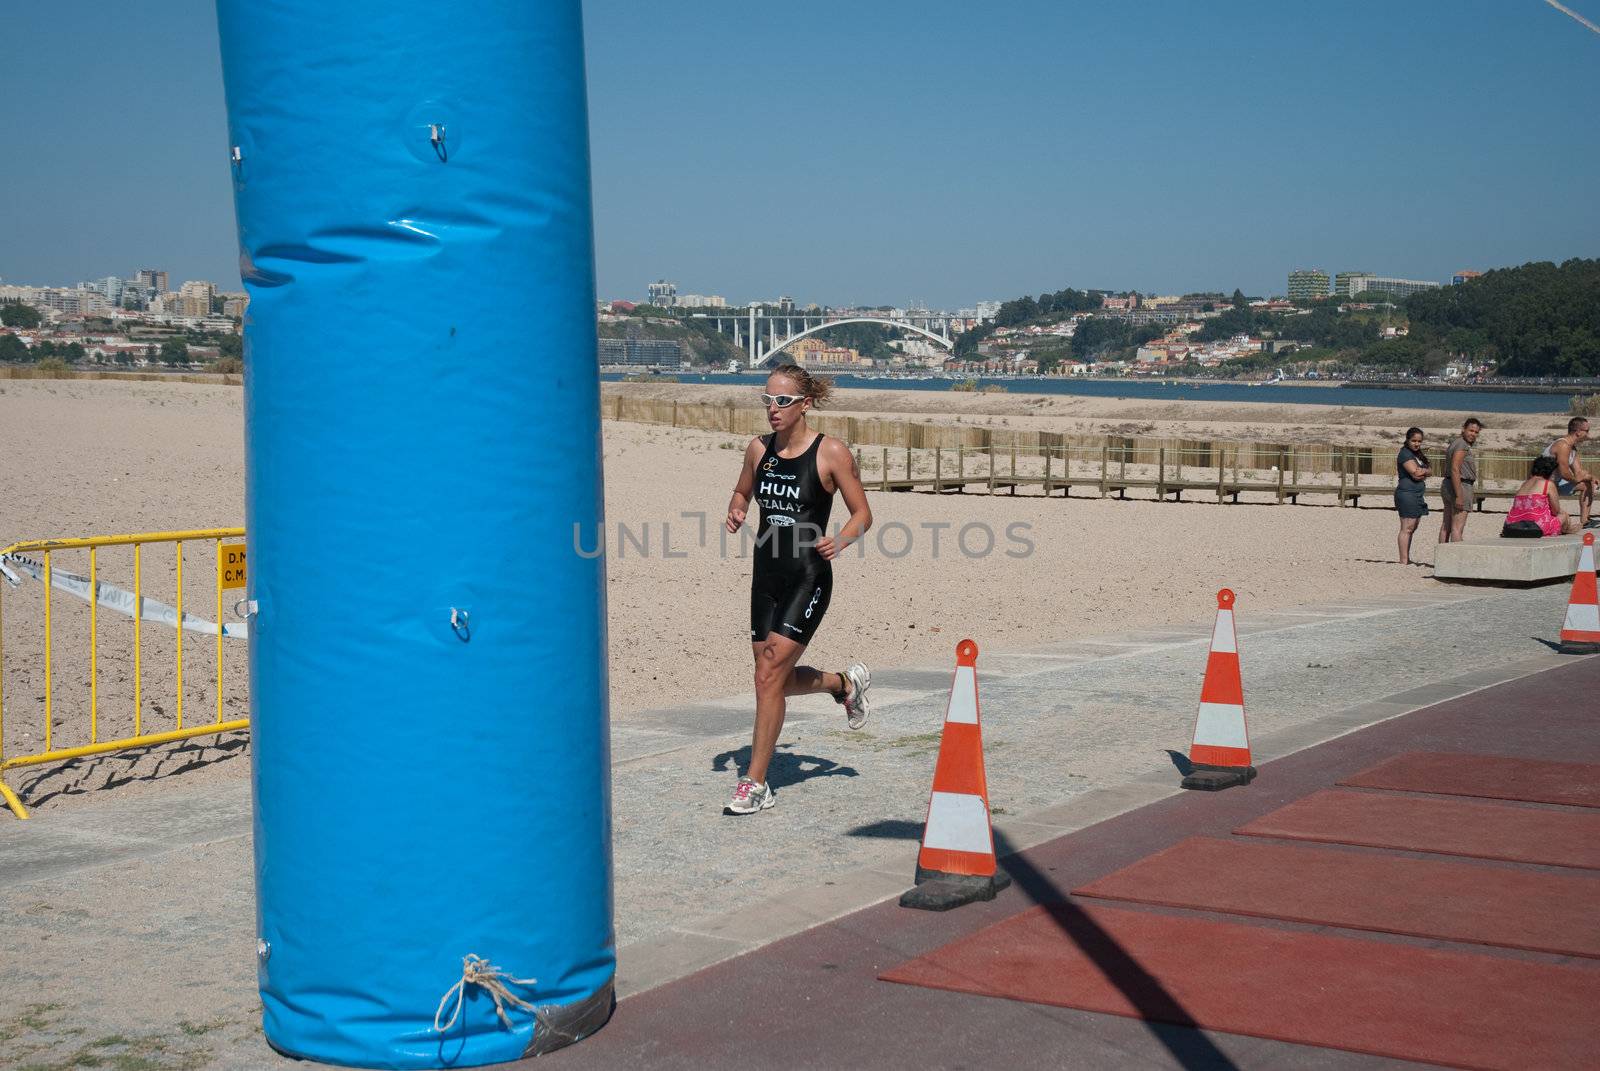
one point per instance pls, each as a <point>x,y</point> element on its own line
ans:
<point>427,660</point>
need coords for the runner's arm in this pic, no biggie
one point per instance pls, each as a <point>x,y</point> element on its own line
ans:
<point>841,464</point>
<point>739,504</point>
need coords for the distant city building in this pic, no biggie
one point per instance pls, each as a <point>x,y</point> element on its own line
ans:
<point>663,294</point>
<point>814,351</point>
<point>785,304</point>
<point>167,304</point>
<point>67,301</point>
<point>151,279</point>
<point>194,298</point>
<point>1359,283</point>
<point>1144,317</point>
<point>987,310</point>
<point>111,286</point>
<point>702,301</point>
<point>234,305</point>
<point>641,352</point>
<point>1463,275</point>
<point>1343,279</point>
<point>1307,284</point>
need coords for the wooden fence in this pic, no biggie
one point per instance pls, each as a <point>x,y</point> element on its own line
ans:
<point>901,455</point>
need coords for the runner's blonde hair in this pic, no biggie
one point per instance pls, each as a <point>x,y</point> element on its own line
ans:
<point>818,388</point>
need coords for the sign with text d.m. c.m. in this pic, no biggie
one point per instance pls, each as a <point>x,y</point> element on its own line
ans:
<point>233,565</point>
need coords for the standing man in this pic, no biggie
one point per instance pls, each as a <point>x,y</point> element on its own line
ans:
<point>1460,481</point>
<point>1571,476</point>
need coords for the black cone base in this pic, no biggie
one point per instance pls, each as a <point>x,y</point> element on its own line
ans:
<point>1216,778</point>
<point>1579,647</point>
<point>935,891</point>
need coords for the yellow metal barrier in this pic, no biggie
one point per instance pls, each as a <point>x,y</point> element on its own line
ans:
<point>229,574</point>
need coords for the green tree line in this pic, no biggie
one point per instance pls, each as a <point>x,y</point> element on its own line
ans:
<point>1539,319</point>
<point>1026,309</point>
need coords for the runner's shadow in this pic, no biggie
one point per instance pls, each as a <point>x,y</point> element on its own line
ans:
<point>785,768</point>
<point>1552,644</point>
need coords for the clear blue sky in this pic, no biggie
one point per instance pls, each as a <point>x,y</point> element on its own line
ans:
<point>885,151</point>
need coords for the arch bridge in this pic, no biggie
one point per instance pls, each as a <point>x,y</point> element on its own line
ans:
<point>764,335</point>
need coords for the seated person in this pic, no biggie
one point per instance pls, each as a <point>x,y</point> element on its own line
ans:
<point>1538,502</point>
<point>1571,477</point>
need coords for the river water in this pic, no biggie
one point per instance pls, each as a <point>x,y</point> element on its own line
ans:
<point>1456,401</point>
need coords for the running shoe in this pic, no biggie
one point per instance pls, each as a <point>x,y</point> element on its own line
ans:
<point>857,707</point>
<point>749,797</point>
<point>1594,522</point>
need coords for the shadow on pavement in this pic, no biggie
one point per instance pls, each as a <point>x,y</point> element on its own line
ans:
<point>96,773</point>
<point>1159,1010</point>
<point>785,768</point>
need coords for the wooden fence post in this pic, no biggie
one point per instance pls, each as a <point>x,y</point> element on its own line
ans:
<point>938,459</point>
<point>1047,453</point>
<point>1105,467</point>
<point>1161,474</point>
<point>991,464</point>
<point>884,476</point>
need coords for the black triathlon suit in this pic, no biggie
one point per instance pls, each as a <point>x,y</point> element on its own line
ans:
<point>791,582</point>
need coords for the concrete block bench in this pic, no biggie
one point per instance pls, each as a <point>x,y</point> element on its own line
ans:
<point>1516,561</point>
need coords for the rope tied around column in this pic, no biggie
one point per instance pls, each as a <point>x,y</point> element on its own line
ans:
<point>475,970</point>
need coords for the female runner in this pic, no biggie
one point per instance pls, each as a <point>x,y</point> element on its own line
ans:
<point>792,474</point>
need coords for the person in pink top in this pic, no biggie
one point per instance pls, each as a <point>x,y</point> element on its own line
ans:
<point>1539,502</point>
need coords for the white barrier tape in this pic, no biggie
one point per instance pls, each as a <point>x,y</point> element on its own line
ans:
<point>115,598</point>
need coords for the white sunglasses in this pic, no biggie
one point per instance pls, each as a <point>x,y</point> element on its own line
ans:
<point>782,401</point>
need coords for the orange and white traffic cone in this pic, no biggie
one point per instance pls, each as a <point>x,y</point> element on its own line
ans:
<point>1221,749</point>
<point>1580,632</point>
<point>957,863</point>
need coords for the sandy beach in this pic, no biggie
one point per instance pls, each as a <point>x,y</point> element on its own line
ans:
<point>1222,421</point>
<point>88,458</point>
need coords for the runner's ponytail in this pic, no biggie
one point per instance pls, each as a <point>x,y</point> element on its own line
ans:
<point>818,388</point>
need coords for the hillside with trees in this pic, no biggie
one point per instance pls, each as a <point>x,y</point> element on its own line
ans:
<point>1027,309</point>
<point>1539,319</point>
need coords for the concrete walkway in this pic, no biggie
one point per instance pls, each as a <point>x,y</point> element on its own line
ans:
<point>133,920</point>
<point>815,1000</point>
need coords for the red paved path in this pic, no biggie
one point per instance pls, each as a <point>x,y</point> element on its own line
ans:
<point>814,1001</point>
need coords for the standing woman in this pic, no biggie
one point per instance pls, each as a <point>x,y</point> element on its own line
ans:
<point>1412,467</point>
<point>793,474</point>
